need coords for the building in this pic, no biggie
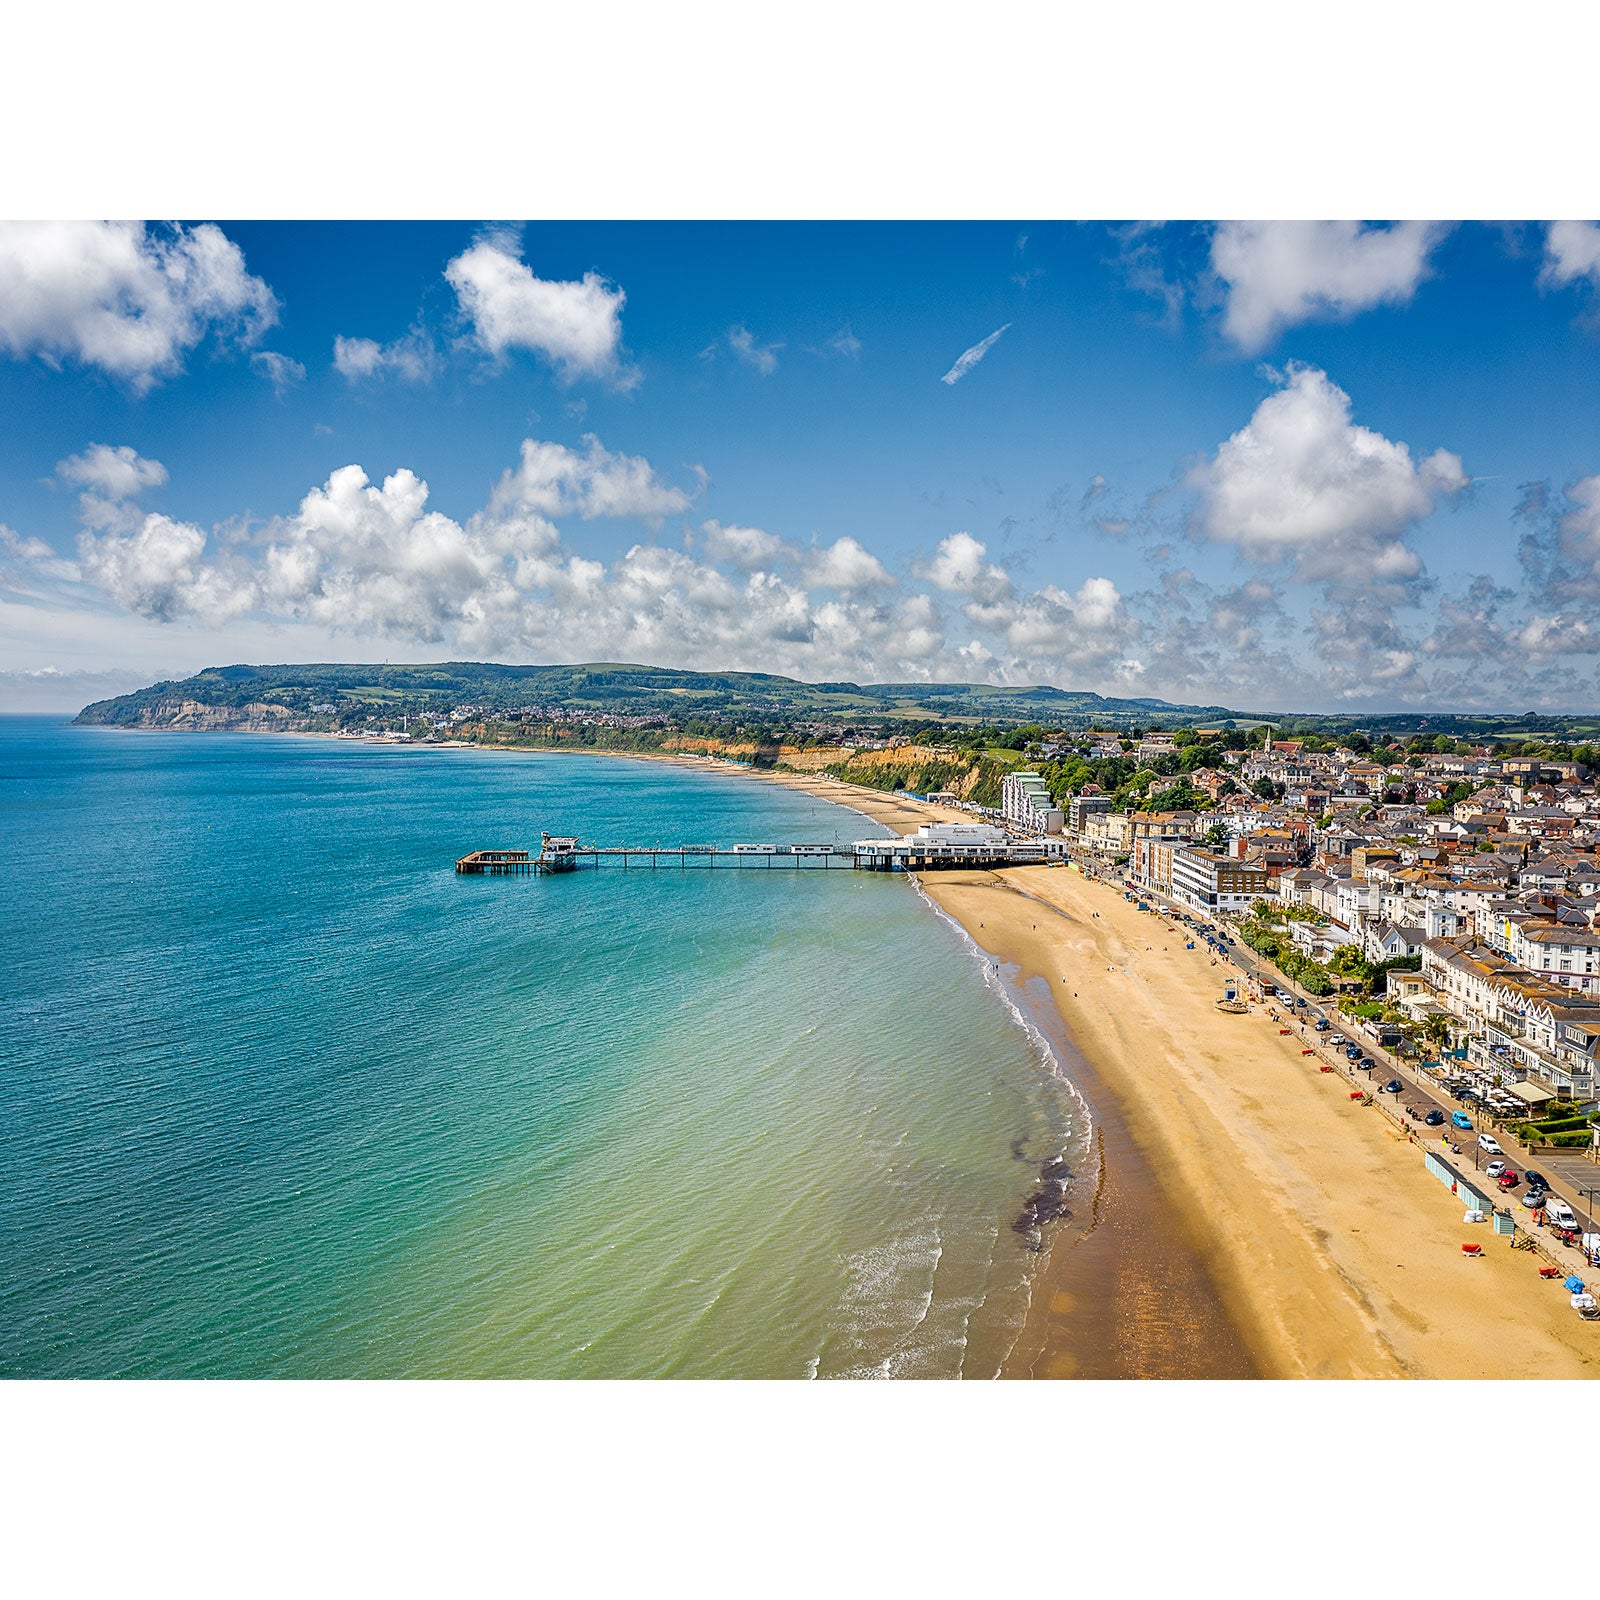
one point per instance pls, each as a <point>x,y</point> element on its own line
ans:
<point>1083,806</point>
<point>947,844</point>
<point>1212,882</point>
<point>1025,802</point>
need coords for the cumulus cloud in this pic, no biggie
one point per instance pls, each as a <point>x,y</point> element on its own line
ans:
<point>375,559</point>
<point>156,570</point>
<point>123,298</point>
<point>1571,251</point>
<point>1061,632</point>
<point>116,472</point>
<point>412,358</point>
<point>577,326</point>
<point>961,566</point>
<point>847,566</point>
<point>109,480</point>
<point>1278,274</point>
<point>749,548</point>
<point>279,370</point>
<point>762,357</point>
<point>1302,483</point>
<point>552,480</point>
<point>972,355</point>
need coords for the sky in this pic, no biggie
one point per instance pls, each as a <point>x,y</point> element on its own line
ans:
<point>1292,466</point>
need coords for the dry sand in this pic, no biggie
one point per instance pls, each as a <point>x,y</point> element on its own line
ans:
<point>1335,1251</point>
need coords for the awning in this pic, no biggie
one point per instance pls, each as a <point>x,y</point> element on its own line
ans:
<point>1531,1094</point>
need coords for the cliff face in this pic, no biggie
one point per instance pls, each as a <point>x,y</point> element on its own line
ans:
<point>190,716</point>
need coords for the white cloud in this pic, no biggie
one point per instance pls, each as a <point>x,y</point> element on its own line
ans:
<point>1302,483</point>
<point>846,566</point>
<point>118,472</point>
<point>961,567</point>
<point>1279,274</point>
<point>116,296</point>
<point>577,326</point>
<point>412,358</point>
<point>971,356</point>
<point>552,480</point>
<point>763,357</point>
<point>1579,526</point>
<point>279,370</point>
<point>748,548</point>
<point>156,570</point>
<point>1571,251</point>
<point>1056,631</point>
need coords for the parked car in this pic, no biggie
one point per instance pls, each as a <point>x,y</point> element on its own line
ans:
<point>1489,1144</point>
<point>1536,1180</point>
<point>1494,1169</point>
<point>1559,1214</point>
<point>1459,1119</point>
<point>1322,1024</point>
<point>1391,1087</point>
<point>1534,1199</point>
<point>1508,1179</point>
<point>1434,1117</point>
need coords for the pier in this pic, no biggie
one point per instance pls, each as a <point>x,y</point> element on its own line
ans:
<point>567,854</point>
<point>933,847</point>
<point>495,862</point>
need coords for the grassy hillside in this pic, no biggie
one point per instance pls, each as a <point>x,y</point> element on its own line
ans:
<point>343,694</point>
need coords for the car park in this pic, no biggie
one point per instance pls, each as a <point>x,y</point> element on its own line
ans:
<point>1459,1119</point>
<point>1489,1144</point>
<point>1434,1118</point>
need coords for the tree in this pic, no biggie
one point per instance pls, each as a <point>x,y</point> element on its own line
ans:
<point>1262,789</point>
<point>1216,836</point>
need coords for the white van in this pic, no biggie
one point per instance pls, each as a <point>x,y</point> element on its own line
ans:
<point>1559,1214</point>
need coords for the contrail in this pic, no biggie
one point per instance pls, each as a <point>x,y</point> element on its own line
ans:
<point>968,359</point>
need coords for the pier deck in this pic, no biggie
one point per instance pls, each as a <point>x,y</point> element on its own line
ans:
<point>495,862</point>
<point>811,857</point>
<point>932,848</point>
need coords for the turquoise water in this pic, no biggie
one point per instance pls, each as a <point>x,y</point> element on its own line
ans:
<point>281,1095</point>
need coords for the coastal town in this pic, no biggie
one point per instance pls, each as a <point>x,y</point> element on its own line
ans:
<point>1429,918</point>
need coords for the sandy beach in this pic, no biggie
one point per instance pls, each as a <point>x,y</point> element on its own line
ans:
<point>1235,1172</point>
<point>1335,1251</point>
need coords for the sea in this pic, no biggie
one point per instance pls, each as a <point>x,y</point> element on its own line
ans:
<point>282,1095</point>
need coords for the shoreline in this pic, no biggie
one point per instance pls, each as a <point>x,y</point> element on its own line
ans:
<point>1332,1249</point>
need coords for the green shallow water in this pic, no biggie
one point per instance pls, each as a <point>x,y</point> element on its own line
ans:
<point>283,1096</point>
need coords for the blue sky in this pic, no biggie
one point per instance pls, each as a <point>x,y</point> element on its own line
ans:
<point>1305,466</point>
